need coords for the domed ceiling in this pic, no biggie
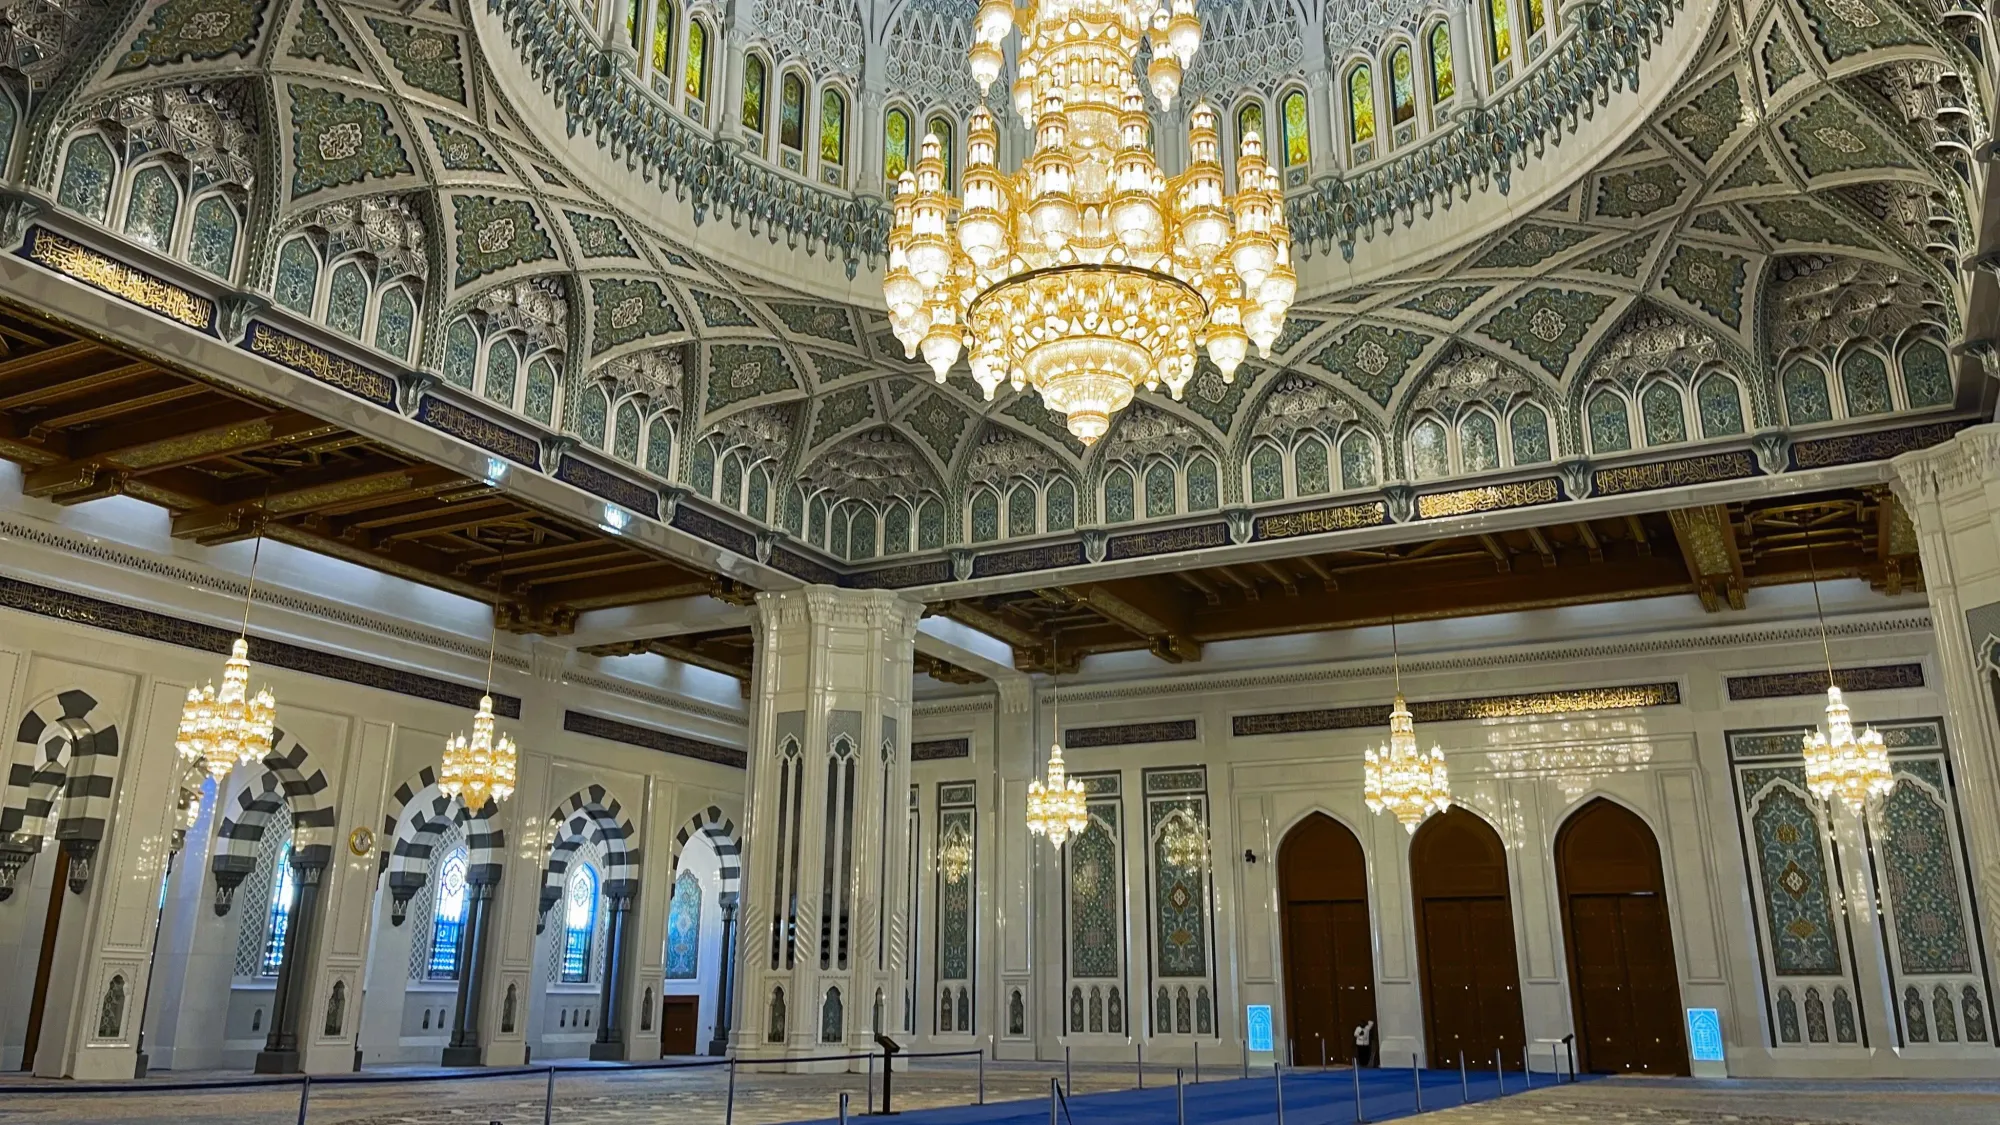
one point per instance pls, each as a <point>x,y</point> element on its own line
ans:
<point>1776,243</point>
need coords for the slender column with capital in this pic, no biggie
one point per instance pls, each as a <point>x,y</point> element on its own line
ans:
<point>464,1049</point>
<point>820,944</point>
<point>725,987</point>
<point>281,1047</point>
<point>610,1043</point>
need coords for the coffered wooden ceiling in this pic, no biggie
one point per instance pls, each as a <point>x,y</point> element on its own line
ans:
<point>1715,553</point>
<point>86,421</point>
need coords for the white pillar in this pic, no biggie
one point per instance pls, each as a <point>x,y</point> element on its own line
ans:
<point>824,903</point>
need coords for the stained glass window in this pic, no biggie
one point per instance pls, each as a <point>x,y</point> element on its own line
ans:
<point>298,277</point>
<point>1021,510</point>
<point>1430,457</point>
<point>540,402</point>
<point>150,211</point>
<point>502,365</point>
<point>1499,30</point>
<point>1160,497</point>
<point>1118,496</point>
<point>985,516</point>
<point>1249,119</point>
<point>1661,412</point>
<point>1538,15</point>
<point>1610,427</point>
<point>832,127</point>
<point>625,434</point>
<point>86,181</point>
<point>1443,83</point>
<point>1926,375</point>
<point>896,529</point>
<point>1402,85</point>
<point>684,928</point>
<point>697,60</point>
<point>1361,104</point>
<point>753,94</point>
<point>448,918</point>
<point>347,301</point>
<point>395,322</point>
<point>895,145</point>
<point>1202,481</point>
<point>1061,503</point>
<point>792,113</point>
<point>1864,381</point>
<point>278,919</point>
<point>940,127</point>
<point>212,245</point>
<point>1267,474</point>
<point>579,921</point>
<point>1528,429</point>
<point>461,353</point>
<point>663,36</point>
<point>1478,442</point>
<point>1720,407</point>
<point>1309,464</point>
<point>1806,398</point>
<point>861,532</point>
<point>632,23</point>
<point>1357,460</point>
<point>1298,141</point>
<point>591,414</point>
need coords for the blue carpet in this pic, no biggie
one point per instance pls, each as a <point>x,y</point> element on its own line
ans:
<point>1312,1097</point>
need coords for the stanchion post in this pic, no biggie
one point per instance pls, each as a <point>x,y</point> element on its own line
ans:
<point>843,1107</point>
<point>1322,1051</point>
<point>1417,1081</point>
<point>982,1078</point>
<point>1358,1116</point>
<point>1464,1087</point>
<point>728,1106</point>
<point>1527,1067</point>
<point>1246,1059</point>
<point>1499,1075</point>
<point>1278,1074</point>
<point>1180,1099</point>
<point>305,1095</point>
<point>1140,1046</point>
<point>871,1085</point>
<point>1197,1062</point>
<point>1054,1087</point>
<point>1068,1082</point>
<point>1555,1063</point>
<point>549,1098</point>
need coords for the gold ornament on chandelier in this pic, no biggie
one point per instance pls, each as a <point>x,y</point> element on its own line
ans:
<point>223,728</point>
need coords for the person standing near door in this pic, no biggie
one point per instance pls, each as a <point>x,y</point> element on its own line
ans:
<point>1364,1044</point>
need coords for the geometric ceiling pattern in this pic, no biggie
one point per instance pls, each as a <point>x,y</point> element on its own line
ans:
<point>1806,183</point>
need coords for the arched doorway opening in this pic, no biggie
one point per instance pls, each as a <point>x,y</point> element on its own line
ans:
<point>1624,990</point>
<point>1329,964</point>
<point>1465,943</point>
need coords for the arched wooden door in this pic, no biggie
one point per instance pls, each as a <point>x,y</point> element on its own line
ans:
<point>1624,990</point>
<point>1329,960</point>
<point>1465,942</point>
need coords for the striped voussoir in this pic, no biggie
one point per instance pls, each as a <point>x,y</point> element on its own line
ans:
<point>591,815</point>
<point>418,818</point>
<point>288,777</point>
<point>721,833</point>
<point>62,746</point>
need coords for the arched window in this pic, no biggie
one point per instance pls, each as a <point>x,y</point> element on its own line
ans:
<point>1160,497</point>
<point>1250,119</point>
<point>1664,416</point>
<point>297,284</point>
<point>1361,104</point>
<point>1310,476</point>
<point>930,525</point>
<point>502,365</point>
<point>1926,375</point>
<point>663,36</point>
<point>1202,495</point>
<point>589,416</point>
<point>448,917</point>
<point>1538,15</point>
<point>759,505</point>
<point>837,540</point>
<point>895,146</point>
<point>684,928</point>
<point>753,94</point>
<point>730,491</point>
<point>1118,507</point>
<point>1478,442</point>
<point>88,172</point>
<point>660,447</point>
<point>860,533</point>
<point>792,113</point>
<point>1610,424</point>
<point>940,127</point>
<point>1499,31</point>
<point>1864,383</point>
<point>395,322</point>
<point>1528,433</point>
<point>625,433</point>
<point>633,22</point>
<point>540,401</point>
<point>1267,474</point>
<point>832,127</point>
<point>1806,398</point>
<point>1021,510</point>
<point>579,923</point>
<point>278,918</point>
<point>1357,461</point>
<point>461,353</point>
<point>1061,504</point>
<point>1443,82</point>
<point>696,81</point>
<point>1402,85</point>
<point>1430,453</point>
<point>151,206</point>
<point>896,528</point>
<point>1719,405</point>
<point>985,516</point>
<point>1298,138</point>
<point>817,525</point>
<point>347,301</point>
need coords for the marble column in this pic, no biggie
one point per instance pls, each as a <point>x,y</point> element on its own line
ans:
<point>464,1049</point>
<point>1951,493</point>
<point>281,1047</point>
<point>610,1045</point>
<point>825,909</point>
<point>725,985</point>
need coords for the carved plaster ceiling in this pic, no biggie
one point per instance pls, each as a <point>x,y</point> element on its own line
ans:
<point>1805,183</point>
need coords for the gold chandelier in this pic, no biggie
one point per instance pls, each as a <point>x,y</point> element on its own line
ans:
<point>955,855</point>
<point>1057,807</point>
<point>1838,762</point>
<point>1088,273</point>
<point>1183,841</point>
<point>226,728</point>
<point>1399,777</point>
<point>481,767</point>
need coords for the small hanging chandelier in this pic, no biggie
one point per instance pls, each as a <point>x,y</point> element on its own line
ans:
<point>955,855</point>
<point>223,729</point>
<point>1183,842</point>
<point>480,768</point>
<point>1056,807</point>
<point>1399,777</point>
<point>1838,763</point>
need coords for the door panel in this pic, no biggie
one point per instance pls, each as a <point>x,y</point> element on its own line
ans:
<point>1329,947</point>
<point>1471,979</point>
<point>1310,972</point>
<point>678,1025</point>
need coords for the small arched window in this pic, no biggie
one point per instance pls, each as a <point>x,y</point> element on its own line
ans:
<point>297,284</point>
<point>1926,375</point>
<point>832,127</point>
<point>1361,104</point>
<point>1021,510</point>
<point>896,528</point>
<point>1719,406</point>
<point>1664,416</point>
<point>1430,451</point>
<point>861,534</point>
<point>1864,383</point>
<point>1267,474</point>
<point>1528,434</point>
<point>502,367</point>
<point>152,204</point>
<point>985,516</point>
<point>1358,461</point>
<point>1402,85</point>
<point>753,94</point>
<point>663,35</point>
<point>448,917</point>
<point>278,916</point>
<point>395,322</point>
<point>1298,135</point>
<point>1250,119</point>
<point>1538,15</point>
<point>1478,442</point>
<point>1160,491</point>
<point>730,491</point>
<point>792,113</point>
<point>696,79</point>
<point>1060,501</point>
<point>212,240</point>
<point>1806,397</point>
<point>540,401</point>
<point>461,353</point>
<point>1310,475</point>
<point>940,127</point>
<point>1118,506</point>
<point>625,433</point>
<point>1443,82</point>
<point>1499,30</point>
<point>347,300</point>
<point>579,924</point>
<point>1610,424</point>
<point>895,145</point>
<point>89,169</point>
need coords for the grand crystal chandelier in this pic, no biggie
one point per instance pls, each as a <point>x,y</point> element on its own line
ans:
<point>1088,273</point>
<point>1839,763</point>
<point>1056,807</point>
<point>1399,777</point>
<point>221,729</point>
<point>481,767</point>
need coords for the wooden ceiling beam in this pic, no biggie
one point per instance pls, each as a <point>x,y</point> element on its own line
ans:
<point>1151,609</point>
<point>1636,527</point>
<point>1285,579</point>
<point>1327,579</point>
<point>1503,559</point>
<point>68,385</point>
<point>1542,546</point>
<point>1707,538</point>
<point>661,582</point>
<point>111,406</point>
<point>1208,590</point>
<point>1591,542</point>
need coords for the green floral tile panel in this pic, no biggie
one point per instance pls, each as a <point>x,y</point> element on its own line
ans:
<point>460,151</point>
<point>930,526</point>
<point>940,423</point>
<point>1709,280</point>
<point>503,368</point>
<point>425,58</point>
<point>586,418</point>
<point>1831,136</point>
<point>1781,59</point>
<point>1920,860</point>
<point>1664,417</point>
<point>1720,405</point>
<point>1528,431</point>
<point>598,237</point>
<point>895,529</point>
<point>395,323</point>
<point>1530,245</point>
<point>1203,493</point>
<point>297,282</point>
<point>1926,375</point>
<point>1479,442</point>
<point>1705,124</point>
<point>1021,510</point>
<point>841,411</point>
<point>1358,461</point>
<point>313,37</point>
<point>194,31</point>
<point>624,311</point>
<point>1610,424</point>
<point>151,206</point>
<point>1161,500</point>
<point>1267,474</point>
<point>1806,398</point>
<point>1625,259</point>
<point>496,234</point>
<point>827,322</point>
<point>88,171</point>
<point>718,311</point>
<point>1310,467</point>
<point>1373,358</point>
<point>1754,170</point>
<point>1207,395</point>
<point>1446,302</point>
<point>461,353</point>
<point>660,447</point>
<point>338,140</point>
<point>743,371</point>
<point>1546,324</point>
<point>1845,28</point>
<point>1795,220</point>
<point>347,301</point>
<point>1180,903</point>
<point>212,241</point>
<point>985,516</point>
<point>1096,913</point>
<point>1061,504</point>
<point>1118,496</point>
<point>1798,904</point>
<point>1864,383</point>
<point>1639,192</point>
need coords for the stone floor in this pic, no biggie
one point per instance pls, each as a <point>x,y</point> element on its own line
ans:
<point>1690,1101</point>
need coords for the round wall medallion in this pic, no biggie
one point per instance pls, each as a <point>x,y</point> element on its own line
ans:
<point>361,841</point>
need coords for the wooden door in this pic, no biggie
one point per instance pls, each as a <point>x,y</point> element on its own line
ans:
<point>679,1023</point>
<point>51,926</point>
<point>1465,939</point>
<point>1329,951</point>
<point>1624,987</point>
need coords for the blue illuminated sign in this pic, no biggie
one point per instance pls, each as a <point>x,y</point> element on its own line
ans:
<point>1258,1021</point>
<point>1704,1035</point>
